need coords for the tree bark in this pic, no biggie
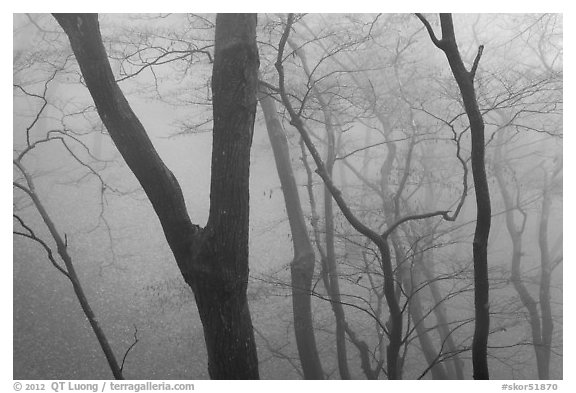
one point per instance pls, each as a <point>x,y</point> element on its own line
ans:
<point>302,266</point>
<point>213,260</point>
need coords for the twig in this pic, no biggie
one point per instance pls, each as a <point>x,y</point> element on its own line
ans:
<point>130,347</point>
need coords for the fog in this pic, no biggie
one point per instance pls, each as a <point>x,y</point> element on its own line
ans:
<point>402,146</point>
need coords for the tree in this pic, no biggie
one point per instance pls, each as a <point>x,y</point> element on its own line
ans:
<point>539,311</point>
<point>214,259</point>
<point>465,80</point>
<point>68,269</point>
<point>26,182</point>
<point>302,266</point>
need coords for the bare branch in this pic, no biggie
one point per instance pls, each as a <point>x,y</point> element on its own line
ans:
<point>391,228</point>
<point>476,62</point>
<point>436,41</point>
<point>130,347</point>
<point>31,235</point>
<point>62,247</point>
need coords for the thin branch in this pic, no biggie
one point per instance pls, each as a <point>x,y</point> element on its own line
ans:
<point>62,247</point>
<point>278,353</point>
<point>31,235</point>
<point>391,228</point>
<point>130,347</point>
<point>268,85</point>
<point>369,147</point>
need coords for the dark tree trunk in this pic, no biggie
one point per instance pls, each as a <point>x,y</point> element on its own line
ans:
<point>223,254</point>
<point>392,295</point>
<point>213,260</point>
<point>465,81</point>
<point>302,266</point>
<point>395,333</point>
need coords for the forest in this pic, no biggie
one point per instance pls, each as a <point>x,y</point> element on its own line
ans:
<point>287,196</point>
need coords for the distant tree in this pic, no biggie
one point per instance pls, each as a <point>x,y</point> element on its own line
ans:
<point>302,266</point>
<point>539,309</point>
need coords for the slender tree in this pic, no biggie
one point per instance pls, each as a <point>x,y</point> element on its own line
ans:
<point>465,80</point>
<point>302,266</point>
<point>68,270</point>
<point>547,265</point>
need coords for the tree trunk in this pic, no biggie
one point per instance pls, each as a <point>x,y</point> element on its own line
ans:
<point>515,233</point>
<point>333,276</point>
<point>213,260</point>
<point>221,277</point>
<point>544,295</point>
<point>302,266</point>
<point>465,82</point>
<point>330,260</point>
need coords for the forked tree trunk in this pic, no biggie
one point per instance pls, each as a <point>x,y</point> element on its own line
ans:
<point>213,260</point>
